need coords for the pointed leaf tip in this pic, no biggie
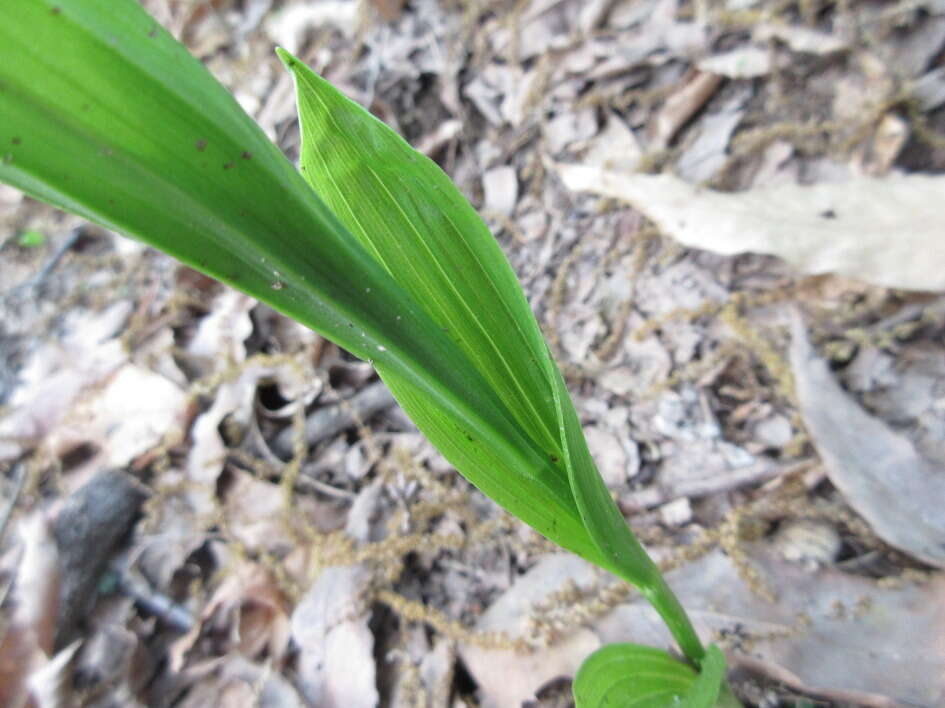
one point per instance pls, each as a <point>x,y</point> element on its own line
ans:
<point>287,58</point>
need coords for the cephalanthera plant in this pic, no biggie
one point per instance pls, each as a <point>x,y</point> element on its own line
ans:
<point>104,114</point>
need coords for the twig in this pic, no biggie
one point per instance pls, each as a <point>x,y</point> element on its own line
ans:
<point>327,422</point>
<point>51,264</point>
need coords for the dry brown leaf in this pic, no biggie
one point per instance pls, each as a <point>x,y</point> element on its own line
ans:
<point>878,471</point>
<point>28,639</point>
<point>884,231</point>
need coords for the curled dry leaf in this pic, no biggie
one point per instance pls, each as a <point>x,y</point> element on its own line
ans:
<point>878,471</point>
<point>250,602</point>
<point>884,231</point>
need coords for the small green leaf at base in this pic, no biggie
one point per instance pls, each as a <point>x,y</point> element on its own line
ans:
<point>634,676</point>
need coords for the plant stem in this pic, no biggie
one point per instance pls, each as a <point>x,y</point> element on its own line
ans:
<point>667,605</point>
<point>727,698</point>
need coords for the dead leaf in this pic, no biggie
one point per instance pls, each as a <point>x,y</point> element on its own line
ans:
<point>132,414</point>
<point>27,642</point>
<point>506,678</point>
<point>615,147</point>
<point>288,27</point>
<point>51,686</point>
<point>877,470</point>
<point>800,39</point>
<point>234,682</point>
<point>330,626</point>
<point>59,374</point>
<point>929,89</point>
<point>883,231</point>
<point>709,151</point>
<point>500,187</point>
<point>740,63</point>
<point>569,128</point>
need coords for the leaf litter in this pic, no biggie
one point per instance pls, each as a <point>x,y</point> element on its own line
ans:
<point>302,545</point>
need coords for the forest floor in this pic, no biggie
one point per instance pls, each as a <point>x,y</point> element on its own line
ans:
<point>203,503</point>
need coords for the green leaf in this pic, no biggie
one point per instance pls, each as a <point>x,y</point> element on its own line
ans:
<point>406,212</point>
<point>31,239</point>
<point>704,692</point>
<point>107,116</point>
<point>634,676</point>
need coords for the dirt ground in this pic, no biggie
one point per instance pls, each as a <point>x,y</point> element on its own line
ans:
<point>203,503</point>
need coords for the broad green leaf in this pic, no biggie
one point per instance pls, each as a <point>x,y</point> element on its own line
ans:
<point>634,676</point>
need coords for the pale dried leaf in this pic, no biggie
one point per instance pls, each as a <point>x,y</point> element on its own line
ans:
<point>500,187</point>
<point>330,626</point>
<point>507,678</point>
<point>234,682</point>
<point>884,231</point>
<point>800,39</point>
<point>615,147</point>
<point>133,414</point>
<point>929,90</point>
<point>877,470</point>
<point>609,454</point>
<point>708,152</point>
<point>288,27</point>
<point>740,63</point>
<point>218,342</point>
<point>51,686</point>
<point>59,374</point>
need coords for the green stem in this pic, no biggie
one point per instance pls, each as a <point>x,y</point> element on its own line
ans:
<point>727,699</point>
<point>667,605</point>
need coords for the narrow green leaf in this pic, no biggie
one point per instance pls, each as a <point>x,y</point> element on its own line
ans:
<point>408,214</point>
<point>106,115</point>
